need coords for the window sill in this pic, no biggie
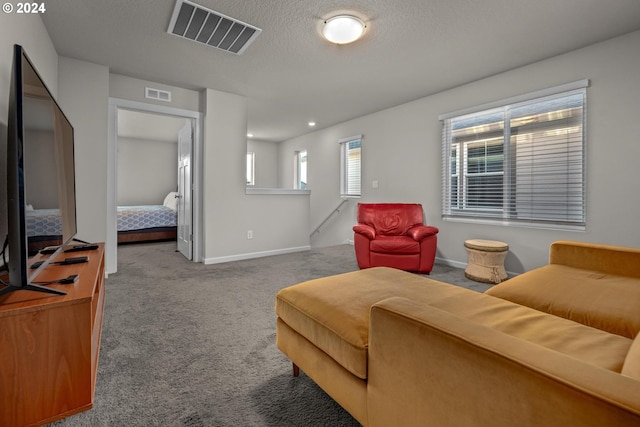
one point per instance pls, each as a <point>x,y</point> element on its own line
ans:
<point>521,224</point>
<point>276,191</point>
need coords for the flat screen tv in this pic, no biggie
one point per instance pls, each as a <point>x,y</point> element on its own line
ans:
<point>41,193</point>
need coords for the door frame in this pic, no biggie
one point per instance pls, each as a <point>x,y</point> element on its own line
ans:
<point>111,244</point>
<point>185,190</point>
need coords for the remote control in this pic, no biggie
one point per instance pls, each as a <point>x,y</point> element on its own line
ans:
<point>71,279</point>
<point>79,248</point>
<point>36,264</point>
<point>73,260</point>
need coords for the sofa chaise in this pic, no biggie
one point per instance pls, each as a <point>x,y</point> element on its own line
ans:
<point>556,346</point>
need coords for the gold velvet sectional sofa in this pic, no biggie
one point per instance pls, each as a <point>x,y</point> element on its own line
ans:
<point>556,346</point>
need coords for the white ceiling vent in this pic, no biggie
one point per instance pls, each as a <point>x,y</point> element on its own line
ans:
<point>194,22</point>
<point>160,95</point>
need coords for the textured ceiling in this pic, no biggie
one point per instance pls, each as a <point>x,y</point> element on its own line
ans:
<point>290,75</point>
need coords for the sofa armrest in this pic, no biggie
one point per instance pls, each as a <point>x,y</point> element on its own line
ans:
<point>431,367</point>
<point>420,232</point>
<point>365,230</point>
<point>609,259</point>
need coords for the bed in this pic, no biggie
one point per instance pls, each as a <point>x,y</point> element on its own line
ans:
<point>146,223</point>
<point>44,228</point>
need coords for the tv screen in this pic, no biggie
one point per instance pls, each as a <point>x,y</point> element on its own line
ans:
<point>41,200</point>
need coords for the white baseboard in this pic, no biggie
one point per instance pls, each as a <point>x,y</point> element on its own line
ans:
<point>251,255</point>
<point>451,263</point>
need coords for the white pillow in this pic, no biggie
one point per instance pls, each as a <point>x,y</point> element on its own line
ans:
<point>171,201</point>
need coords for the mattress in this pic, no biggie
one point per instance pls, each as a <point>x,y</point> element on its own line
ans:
<point>43,222</point>
<point>142,217</point>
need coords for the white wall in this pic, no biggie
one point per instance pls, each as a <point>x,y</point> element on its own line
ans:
<point>132,89</point>
<point>280,223</point>
<point>29,32</point>
<point>84,90</point>
<point>43,193</point>
<point>401,149</point>
<point>266,163</point>
<point>147,171</point>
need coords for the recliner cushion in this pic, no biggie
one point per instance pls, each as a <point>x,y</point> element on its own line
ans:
<point>395,244</point>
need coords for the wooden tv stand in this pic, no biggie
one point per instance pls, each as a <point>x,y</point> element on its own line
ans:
<point>49,344</point>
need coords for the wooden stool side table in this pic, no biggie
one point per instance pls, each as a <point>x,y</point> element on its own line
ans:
<point>486,260</point>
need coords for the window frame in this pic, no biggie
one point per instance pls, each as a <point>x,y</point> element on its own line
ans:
<point>348,173</point>
<point>455,165</point>
<point>300,170</point>
<point>251,169</point>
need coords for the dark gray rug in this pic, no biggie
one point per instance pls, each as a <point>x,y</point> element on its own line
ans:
<point>186,344</point>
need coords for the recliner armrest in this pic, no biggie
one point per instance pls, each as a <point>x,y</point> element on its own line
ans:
<point>420,232</point>
<point>365,230</point>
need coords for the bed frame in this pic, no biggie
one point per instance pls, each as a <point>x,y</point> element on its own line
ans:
<point>148,235</point>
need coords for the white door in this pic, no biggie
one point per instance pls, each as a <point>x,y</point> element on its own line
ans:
<point>185,218</point>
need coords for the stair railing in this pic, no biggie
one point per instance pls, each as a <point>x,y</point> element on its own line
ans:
<point>333,212</point>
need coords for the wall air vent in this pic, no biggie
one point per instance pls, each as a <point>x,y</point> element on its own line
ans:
<point>194,22</point>
<point>160,95</point>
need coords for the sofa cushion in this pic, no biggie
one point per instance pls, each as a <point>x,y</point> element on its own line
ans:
<point>333,314</point>
<point>395,244</point>
<point>600,300</point>
<point>591,345</point>
<point>631,367</point>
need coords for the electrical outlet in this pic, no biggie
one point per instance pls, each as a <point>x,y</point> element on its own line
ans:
<point>249,234</point>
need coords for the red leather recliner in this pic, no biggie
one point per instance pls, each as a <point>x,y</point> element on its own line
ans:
<point>394,235</point>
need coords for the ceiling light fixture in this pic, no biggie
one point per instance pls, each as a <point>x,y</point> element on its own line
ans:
<point>343,29</point>
<point>312,124</point>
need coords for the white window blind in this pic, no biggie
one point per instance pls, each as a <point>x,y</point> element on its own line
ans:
<point>350,162</point>
<point>519,163</point>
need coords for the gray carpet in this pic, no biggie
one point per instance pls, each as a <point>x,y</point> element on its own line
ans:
<point>187,344</point>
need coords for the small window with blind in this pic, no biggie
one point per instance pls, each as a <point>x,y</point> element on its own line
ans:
<point>350,164</point>
<point>518,162</point>
<point>300,170</point>
<point>251,168</point>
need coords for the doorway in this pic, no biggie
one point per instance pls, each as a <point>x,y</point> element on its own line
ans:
<point>146,123</point>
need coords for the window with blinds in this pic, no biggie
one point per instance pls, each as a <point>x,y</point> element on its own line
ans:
<point>300,172</point>
<point>518,163</point>
<point>350,166</point>
<point>251,168</point>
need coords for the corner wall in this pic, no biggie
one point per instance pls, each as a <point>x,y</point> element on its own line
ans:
<point>84,91</point>
<point>279,223</point>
